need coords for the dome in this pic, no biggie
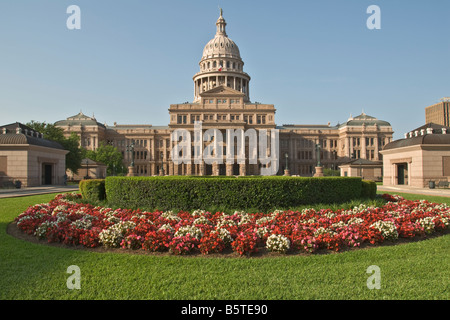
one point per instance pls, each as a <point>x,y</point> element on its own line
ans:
<point>364,119</point>
<point>221,45</point>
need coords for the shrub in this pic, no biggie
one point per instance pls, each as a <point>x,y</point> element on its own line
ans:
<point>369,189</point>
<point>93,190</point>
<point>262,193</point>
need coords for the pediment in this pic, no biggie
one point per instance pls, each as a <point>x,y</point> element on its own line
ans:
<point>222,91</point>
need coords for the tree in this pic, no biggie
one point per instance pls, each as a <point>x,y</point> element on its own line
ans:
<point>108,155</point>
<point>72,143</point>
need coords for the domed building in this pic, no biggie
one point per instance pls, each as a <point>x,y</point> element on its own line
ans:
<point>221,65</point>
<point>221,102</point>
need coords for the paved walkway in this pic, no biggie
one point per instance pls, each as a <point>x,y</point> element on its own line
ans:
<point>10,193</point>
<point>407,189</point>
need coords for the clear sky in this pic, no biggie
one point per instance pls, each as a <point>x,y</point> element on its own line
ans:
<point>316,61</point>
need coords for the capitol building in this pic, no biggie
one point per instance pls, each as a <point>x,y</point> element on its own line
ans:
<point>221,100</point>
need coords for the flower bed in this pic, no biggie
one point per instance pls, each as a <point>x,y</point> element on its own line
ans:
<point>64,220</point>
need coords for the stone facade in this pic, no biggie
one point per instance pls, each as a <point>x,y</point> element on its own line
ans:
<point>423,156</point>
<point>27,157</point>
<point>222,101</point>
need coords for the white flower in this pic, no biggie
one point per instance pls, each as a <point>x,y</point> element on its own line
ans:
<point>260,232</point>
<point>169,215</point>
<point>201,220</point>
<point>166,227</point>
<point>191,230</point>
<point>427,224</point>
<point>224,234</point>
<point>387,229</point>
<point>278,243</point>
<point>323,230</point>
<point>112,236</point>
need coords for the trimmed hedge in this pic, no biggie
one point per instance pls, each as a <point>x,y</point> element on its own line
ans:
<point>262,193</point>
<point>93,189</point>
<point>369,189</point>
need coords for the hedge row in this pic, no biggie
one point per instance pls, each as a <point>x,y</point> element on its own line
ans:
<point>263,193</point>
<point>93,189</point>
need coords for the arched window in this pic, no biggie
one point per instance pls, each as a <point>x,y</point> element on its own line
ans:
<point>228,64</point>
<point>209,65</point>
<point>214,64</point>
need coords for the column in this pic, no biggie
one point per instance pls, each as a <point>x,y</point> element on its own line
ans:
<point>376,149</point>
<point>242,169</point>
<point>189,169</point>
<point>202,168</point>
<point>215,169</point>
<point>351,147</point>
<point>229,169</point>
<point>363,147</point>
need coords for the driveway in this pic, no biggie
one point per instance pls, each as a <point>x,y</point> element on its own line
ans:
<point>10,193</point>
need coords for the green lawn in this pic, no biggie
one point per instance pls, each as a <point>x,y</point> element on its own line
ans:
<point>417,270</point>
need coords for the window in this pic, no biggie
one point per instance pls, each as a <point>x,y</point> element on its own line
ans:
<point>260,119</point>
<point>182,119</point>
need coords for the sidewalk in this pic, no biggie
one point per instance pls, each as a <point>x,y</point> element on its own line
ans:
<point>10,193</point>
<point>415,190</point>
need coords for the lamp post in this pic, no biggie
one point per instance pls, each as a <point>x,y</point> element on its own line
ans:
<point>87,169</point>
<point>319,168</point>
<point>286,169</point>
<point>130,148</point>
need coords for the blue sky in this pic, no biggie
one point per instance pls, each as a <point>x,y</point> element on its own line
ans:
<point>316,61</point>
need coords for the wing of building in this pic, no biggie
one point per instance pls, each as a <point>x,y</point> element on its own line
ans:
<point>27,157</point>
<point>222,104</point>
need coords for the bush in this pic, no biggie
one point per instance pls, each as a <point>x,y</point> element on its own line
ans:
<point>93,190</point>
<point>369,189</point>
<point>262,193</point>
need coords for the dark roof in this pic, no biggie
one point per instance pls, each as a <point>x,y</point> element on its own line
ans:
<point>21,138</point>
<point>437,128</point>
<point>426,139</point>
<point>18,133</point>
<point>79,119</point>
<point>364,119</point>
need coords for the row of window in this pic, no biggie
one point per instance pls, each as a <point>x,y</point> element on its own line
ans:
<point>221,64</point>
<point>369,142</point>
<point>139,143</point>
<point>232,101</point>
<point>250,119</point>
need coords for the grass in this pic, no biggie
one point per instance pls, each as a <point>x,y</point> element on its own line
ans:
<point>416,270</point>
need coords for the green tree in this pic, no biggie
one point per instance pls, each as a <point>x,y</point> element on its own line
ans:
<point>110,156</point>
<point>72,143</point>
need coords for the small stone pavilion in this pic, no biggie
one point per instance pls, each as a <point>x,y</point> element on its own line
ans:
<point>27,157</point>
<point>422,156</point>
